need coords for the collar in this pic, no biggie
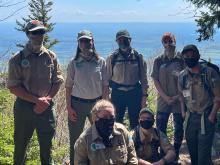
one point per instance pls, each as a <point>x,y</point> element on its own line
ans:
<point>81,59</point>
<point>176,56</point>
<point>130,54</point>
<point>201,69</point>
<point>148,138</point>
<point>27,50</point>
<point>95,134</point>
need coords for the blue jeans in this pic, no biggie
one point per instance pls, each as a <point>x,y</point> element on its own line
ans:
<point>130,99</point>
<point>161,122</point>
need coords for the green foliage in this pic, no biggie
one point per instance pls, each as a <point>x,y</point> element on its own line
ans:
<point>39,10</point>
<point>209,21</point>
<point>6,127</point>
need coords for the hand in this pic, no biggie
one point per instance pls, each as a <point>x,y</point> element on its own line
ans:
<point>71,114</point>
<point>211,118</point>
<point>169,100</point>
<point>42,104</point>
<point>183,114</point>
<point>144,102</point>
<point>160,162</point>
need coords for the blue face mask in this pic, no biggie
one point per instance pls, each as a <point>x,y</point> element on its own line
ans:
<point>147,124</point>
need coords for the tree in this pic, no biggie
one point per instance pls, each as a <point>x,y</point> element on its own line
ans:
<point>209,20</point>
<point>39,10</point>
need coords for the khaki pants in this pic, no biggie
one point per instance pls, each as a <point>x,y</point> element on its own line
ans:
<point>25,122</point>
<point>83,110</point>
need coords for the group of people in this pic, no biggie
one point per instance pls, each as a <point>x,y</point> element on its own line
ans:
<point>101,90</point>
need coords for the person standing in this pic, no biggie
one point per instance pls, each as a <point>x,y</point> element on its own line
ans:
<point>166,69</point>
<point>199,86</point>
<point>127,74</point>
<point>86,83</point>
<point>34,76</point>
<point>105,142</point>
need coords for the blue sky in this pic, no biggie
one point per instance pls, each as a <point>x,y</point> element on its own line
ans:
<point>114,11</point>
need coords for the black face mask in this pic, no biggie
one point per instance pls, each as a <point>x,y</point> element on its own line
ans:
<point>191,62</point>
<point>146,124</point>
<point>124,44</point>
<point>105,129</point>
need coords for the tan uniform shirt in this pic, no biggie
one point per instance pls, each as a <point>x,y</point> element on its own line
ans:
<point>145,151</point>
<point>35,72</point>
<point>128,73</point>
<point>86,78</point>
<point>195,92</point>
<point>166,72</point>
<point>89,148</point>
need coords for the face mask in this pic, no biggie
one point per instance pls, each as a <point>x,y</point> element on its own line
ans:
<point>191,62</point>
<point>105,129</point>
<point>124,44</point>
<point>147,124</point>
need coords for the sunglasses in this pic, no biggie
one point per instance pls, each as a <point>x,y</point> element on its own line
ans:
<point>38,32</point>
<point>84,40</point>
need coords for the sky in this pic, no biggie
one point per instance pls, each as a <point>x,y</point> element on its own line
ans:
<point>110,11</point>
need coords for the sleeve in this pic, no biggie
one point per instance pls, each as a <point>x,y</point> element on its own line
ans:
<point>104,74</point>
<point>132,158</point>
<point>57,74</point>
<point>215,85</point>
<point>70,75</point>
<point>164,143</point>
<point>14,74</point>
<point>109,67</point>
<point>155,72</point>
<point>143,78</point>
<point>80,155</point>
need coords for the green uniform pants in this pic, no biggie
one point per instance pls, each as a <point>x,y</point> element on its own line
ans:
<point>83,110</point>
<point>25,122</point>
<point>199,145</point>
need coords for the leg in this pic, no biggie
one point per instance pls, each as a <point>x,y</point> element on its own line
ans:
<point>205,144</point>
<point>23,131</point>
<point>161,121</point>
<point>45,128</point>
<point>133,101</point>
<point>191,135</point>
<point>178,132</point>
<point>118,100</point>
<point>76,128</point>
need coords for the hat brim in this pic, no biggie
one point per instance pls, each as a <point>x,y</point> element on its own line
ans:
<point>37,28</point>
<point>87,37</point>
<point>123,36</point>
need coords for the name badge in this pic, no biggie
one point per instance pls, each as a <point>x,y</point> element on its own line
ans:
<point>186,93</point>
<point>97,146</point>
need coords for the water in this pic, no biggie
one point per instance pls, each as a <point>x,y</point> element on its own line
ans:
<point>146,38</point>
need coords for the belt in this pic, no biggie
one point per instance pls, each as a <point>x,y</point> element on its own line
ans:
<point>86,100</point>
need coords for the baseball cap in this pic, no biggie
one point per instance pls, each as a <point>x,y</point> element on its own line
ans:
<point>84,34</point>
<point>190,47</point>
<point>146,110</point>
<point>122,33</point>
<point>34,25</point>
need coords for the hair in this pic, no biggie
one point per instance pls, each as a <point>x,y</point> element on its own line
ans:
<point>168,35</point>
<point>100,105</point>
<point>94,52</point>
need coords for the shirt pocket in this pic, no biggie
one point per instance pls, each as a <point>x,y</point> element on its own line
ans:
<point>120,155</point>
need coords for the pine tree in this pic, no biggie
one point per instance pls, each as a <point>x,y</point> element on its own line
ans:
<point>209,20</point>
<point>39,10</point>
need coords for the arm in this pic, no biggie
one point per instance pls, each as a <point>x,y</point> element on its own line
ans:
<point>132,157</point>
<point>215,87</point>
<point>168,150</point>
<point>105,82</point>
<point>81,155</point>
<point>144,81</point>
<point>69,85</point>
<point>54,89</point>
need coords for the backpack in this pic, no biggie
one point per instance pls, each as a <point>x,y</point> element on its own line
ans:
<point>115,85</point>
<point>115,56</point>
<point>205,64</point>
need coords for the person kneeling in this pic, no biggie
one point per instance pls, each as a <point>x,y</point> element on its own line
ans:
<point>148,139</point>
